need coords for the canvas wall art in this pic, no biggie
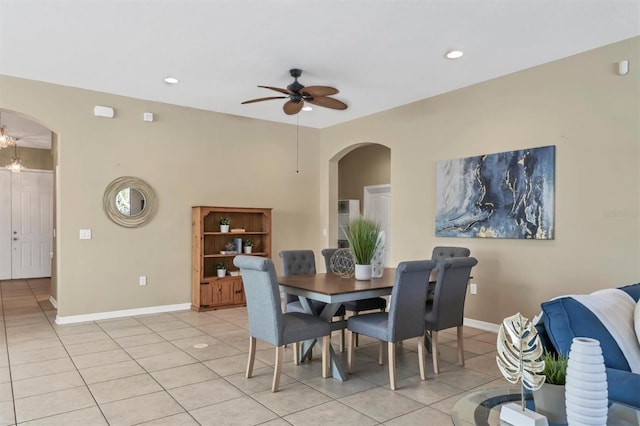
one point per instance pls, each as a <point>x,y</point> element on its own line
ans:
<point>503,195</point>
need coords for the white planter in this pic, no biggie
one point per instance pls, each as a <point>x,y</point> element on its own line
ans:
<point>247,249</point>
<point>363,272</point>
<point>549,401</point>
<point>586,394</point>
<point>224,228</point>
<point>221,273</point>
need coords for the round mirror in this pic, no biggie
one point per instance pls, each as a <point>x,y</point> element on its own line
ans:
<point>129,201</point>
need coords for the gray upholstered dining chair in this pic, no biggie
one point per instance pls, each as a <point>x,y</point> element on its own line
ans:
<point>303,262</point>
<point>407,304</point>
<point>355,306</point>
<point>446,310</point>
<point>441,253</point>
<point>268,323</point>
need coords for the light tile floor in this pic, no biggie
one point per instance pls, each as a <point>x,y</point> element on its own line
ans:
<point>146,370</point>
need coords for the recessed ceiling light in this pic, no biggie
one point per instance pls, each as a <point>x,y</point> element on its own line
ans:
<point>307,108</point>
<point>171,80</point>
<point>454,54</point>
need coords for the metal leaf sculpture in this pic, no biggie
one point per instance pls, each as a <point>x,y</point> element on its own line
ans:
<point>519,353</point>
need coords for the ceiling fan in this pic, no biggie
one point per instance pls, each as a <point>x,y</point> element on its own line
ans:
<point>299,94</point>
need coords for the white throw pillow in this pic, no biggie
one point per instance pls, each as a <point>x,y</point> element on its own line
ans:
<point>636,317</point>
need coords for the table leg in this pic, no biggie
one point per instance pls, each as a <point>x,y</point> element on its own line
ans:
<point>327,314</point>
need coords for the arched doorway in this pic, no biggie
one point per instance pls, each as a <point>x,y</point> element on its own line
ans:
<point>27,211</point>
<point>358,170</point>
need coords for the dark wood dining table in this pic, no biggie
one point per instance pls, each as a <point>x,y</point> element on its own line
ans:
<point>334,290</point>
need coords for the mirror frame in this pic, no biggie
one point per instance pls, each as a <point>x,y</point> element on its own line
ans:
<point>111,210</point>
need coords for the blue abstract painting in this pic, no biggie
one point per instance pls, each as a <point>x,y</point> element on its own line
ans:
<point>504,195</point>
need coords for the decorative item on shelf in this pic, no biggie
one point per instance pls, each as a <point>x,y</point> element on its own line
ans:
<point>586,393</point>
<point>221,269</point>
<point>519,352</point>
<point>224,224</point>
<point>234,273</point>
<point>16,165</point>
<point>342,263</point>
<point>549,399</point>
<point>237,230</point>
<point>362,234</point>
<point>248,245</point>
<point>238,244</point>
<point>230,248</point>
<point>377,263</point>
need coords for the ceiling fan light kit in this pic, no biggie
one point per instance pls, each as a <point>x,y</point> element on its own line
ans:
<point>299,94</point>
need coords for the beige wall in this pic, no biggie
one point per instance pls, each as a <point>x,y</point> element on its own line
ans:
<point>34,159</point>
<point>192,157</point>
<point>367,165</point>
<point>580,105</point>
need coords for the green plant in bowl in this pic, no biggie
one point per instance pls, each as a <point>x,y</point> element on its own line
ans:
<point>225,221</point>
<point>221,265</point>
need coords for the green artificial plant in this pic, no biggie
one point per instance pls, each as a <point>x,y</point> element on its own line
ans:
<point>362,234</point>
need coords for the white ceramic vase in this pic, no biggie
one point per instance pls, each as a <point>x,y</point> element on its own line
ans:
<point>224,228</point>
<point>247,249</point>
<point>221,273</point>
<point>586,394</point>
<point>363,272</point>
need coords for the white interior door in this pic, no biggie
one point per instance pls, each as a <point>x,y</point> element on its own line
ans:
<point>377,205</point>
<point>5,225</point>
<point>32,224</point>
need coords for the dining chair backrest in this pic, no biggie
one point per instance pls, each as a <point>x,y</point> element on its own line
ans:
<point>450,292</point>
<point>263,298</point>
<point>408,299</point>
<point>441,253</point>
<point>297,262</point>
<point>328,253</point>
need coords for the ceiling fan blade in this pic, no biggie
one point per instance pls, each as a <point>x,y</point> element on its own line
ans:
<point>319,90</point>
<point>291,108</point>
<point>326,102</point>
<point>277,89</point>
<point>264,99</point>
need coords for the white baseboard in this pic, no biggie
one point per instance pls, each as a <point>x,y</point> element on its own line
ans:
<point>124,313</point>
<point>482,325</point>
<point>53,301</point>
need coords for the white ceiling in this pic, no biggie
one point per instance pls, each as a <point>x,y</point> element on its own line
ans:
<point>379,53</point>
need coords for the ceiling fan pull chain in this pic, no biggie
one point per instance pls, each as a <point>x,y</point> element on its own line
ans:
<point>297,143</point>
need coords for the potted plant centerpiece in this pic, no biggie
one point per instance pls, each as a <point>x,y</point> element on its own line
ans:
<point>362,235</point>
<point>550,399</point>
<point>221,268</point>
<point>224,224</point>
<point>248,245</point>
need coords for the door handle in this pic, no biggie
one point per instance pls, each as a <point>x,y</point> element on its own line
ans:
<point>15,238</point>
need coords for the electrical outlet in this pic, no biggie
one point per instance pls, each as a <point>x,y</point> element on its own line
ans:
<point>473,288</point>
<point>143,280</point>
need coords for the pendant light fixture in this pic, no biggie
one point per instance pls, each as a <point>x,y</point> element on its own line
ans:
<point>5,140</point>
<point>16,165</point>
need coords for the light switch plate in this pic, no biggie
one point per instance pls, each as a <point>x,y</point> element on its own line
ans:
<point>85,234</point>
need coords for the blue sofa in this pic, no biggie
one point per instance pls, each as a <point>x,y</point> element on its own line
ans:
<point>564,318</point>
